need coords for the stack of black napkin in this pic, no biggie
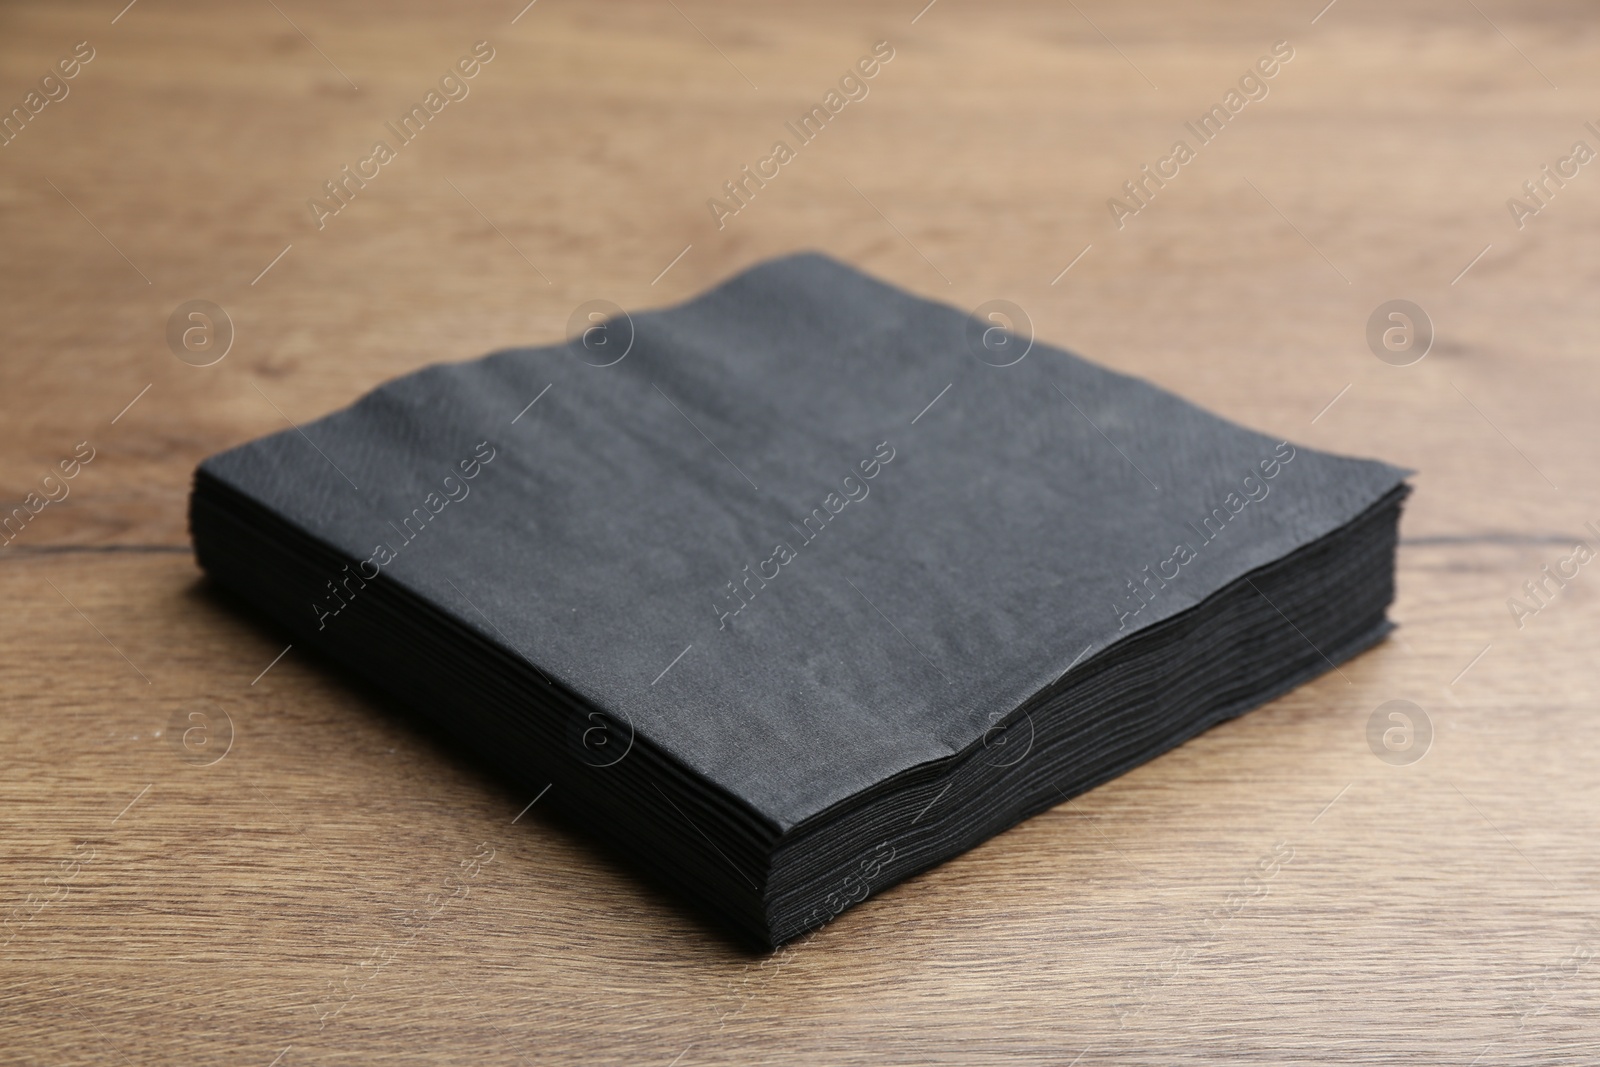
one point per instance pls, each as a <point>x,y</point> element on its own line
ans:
<point>808,584</point>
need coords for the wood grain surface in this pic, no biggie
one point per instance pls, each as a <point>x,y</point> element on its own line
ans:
<point>306,880</point>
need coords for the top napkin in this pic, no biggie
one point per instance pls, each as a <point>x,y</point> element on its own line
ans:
<point>739,525</point>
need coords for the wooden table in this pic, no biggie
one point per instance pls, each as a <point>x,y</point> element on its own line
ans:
<point>294,883</point>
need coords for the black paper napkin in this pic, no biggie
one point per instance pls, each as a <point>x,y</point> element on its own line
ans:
<point>775,626</point>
